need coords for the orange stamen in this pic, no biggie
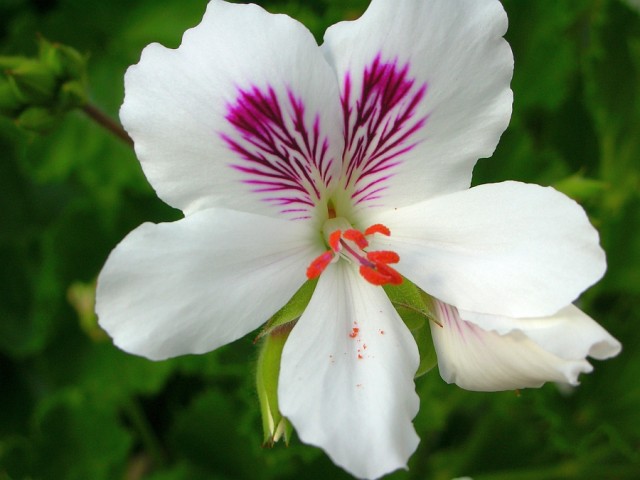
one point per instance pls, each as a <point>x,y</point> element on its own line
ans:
<point>318,265</point>
<point>334,240</point>
<point>383,256</point>
<point>374,266</point>
<point>356,237</point>
<point>394,277</point>
<point>373,276</point>
<point>377,228</point>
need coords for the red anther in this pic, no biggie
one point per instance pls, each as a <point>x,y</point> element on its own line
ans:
<point>377,228</point>
<point>383,256</point>
<point>318,265</point>
<point>356,237</point>
<point>373,276</point>
<point>394,277</point>
<point>334,240</point>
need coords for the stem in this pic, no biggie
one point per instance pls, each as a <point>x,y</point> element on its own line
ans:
<point>107,122</point>
<point>148,438</point>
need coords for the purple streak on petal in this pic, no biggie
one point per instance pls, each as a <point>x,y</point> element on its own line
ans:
<point>379,125</point>
<point>278,148</point>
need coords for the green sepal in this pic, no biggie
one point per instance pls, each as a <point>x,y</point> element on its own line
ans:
<point>37,119</point>
<point>35,82</point>
<point>11,62</point>
<point>274,425</point>
<point>65,62</point>
<point>415,307</point>
<point>292,310</point>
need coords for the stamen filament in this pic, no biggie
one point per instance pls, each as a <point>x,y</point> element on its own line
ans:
<point>360,258</point>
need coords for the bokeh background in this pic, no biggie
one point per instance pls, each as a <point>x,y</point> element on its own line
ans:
<point>74,407</point>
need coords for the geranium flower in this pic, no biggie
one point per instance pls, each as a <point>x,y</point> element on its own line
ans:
<point>350,163</point>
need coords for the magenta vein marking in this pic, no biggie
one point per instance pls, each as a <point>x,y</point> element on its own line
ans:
<point>278,148</point>
<point>379,124</point>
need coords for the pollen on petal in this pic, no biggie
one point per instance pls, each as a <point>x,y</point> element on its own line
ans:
<point>357,237</point>
<point>383,256</point>
<point>319,264</point>
<point>377,228</point>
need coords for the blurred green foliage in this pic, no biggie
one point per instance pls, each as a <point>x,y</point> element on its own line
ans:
<point>74,407</point>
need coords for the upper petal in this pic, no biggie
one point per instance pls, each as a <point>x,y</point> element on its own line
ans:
<point>569,334</point>
<point>425,93</point>
<point>476,359</point>
<point>346,379</point>
<point>509,249</point>
<point>198,283</point>
<point>243,115</point>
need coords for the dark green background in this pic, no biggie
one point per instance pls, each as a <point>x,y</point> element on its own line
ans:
<point>74,407</point>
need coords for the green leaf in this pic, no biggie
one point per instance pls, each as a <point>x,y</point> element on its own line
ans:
<point>207,434</point>
<point>612,76</point>
<point>78,439</point>
<point>544,50</point>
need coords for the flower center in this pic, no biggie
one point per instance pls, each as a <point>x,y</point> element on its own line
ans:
<point>351,244</point>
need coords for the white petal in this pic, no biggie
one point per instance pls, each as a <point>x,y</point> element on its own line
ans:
<point>201,282</point>
<point>454,92</point>
<point>351,392</point>
<point>476,359</point>
<point>509,249</point>
<point>229,118</point>
<point>568,334</point>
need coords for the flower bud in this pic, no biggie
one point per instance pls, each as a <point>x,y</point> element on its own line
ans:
<point>274,425</point>
<point>35,82</point>
<point>64,61</point>
<point>36,92</point>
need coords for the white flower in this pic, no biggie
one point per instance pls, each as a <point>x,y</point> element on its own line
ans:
<point>270,145</point>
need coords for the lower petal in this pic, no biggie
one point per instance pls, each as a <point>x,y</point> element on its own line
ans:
<point>346,380</point>
<point>476,359</point>
<point>569,334</point>
<point>193,285</point>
